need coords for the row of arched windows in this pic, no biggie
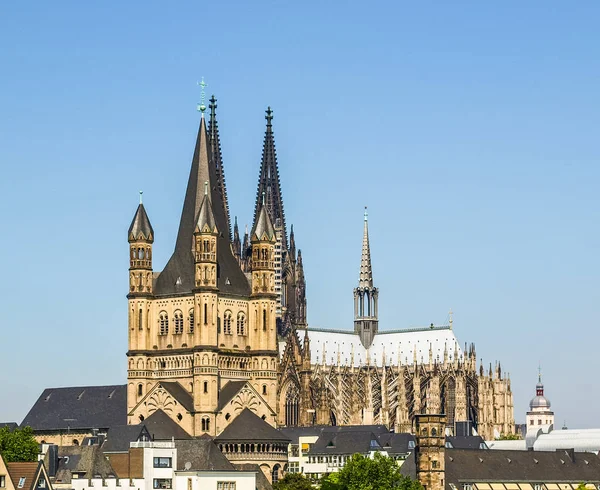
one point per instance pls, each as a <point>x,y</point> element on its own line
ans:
<point>163,322</point>
<point>240,326</point>
<point>205,424</point>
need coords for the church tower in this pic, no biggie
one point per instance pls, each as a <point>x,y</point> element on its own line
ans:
<point>289,286</point>
<point>365,295</point>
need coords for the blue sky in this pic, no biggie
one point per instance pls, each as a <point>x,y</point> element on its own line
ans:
<point>469,129</point>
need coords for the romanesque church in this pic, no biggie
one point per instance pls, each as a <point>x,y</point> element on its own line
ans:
<point>223,327</point>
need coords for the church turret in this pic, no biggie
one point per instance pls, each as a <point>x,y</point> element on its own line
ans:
<point>365,295</point>
<point>205,246</point>
<point>237,243</point>
<point>140,237</point>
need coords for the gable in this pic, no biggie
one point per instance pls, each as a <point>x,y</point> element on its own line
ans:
<point>246,397</point>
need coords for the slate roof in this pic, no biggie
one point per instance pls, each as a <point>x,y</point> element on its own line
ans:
<point>206,216</point>
<point>11,425</point>
<point>119,437</point>
<point>178,274</point>
<point>140,227</point>
<point>28,471</point>
<point>466,442</point>
<point>346,443</point>
<point>202,454</point>
<point>85,407</point>
<point>162,427</point>
<point>228,392</point>
<point>474,465</point>
<point>180,394</point>
<point>294,433</point>
<point>263,226</point>
<point>88,461</point>
<point>397,443</point>
<point>248,426</point>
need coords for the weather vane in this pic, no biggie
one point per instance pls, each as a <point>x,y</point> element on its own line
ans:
<point>201,105</point>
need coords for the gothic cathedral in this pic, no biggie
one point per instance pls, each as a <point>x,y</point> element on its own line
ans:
<point>223,327</point>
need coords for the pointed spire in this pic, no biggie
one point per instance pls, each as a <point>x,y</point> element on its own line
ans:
<point>217,156</point>
<point>366,273</point>
<point>292,244</point>
<point>269,184</point>
<point>237,243</point>
<point>263,225</point>
<point>206,218</point>
<point>140,228</point>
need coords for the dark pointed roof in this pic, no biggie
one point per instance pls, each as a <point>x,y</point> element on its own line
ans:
<point>140,228</point>
<point>202,454</point>
<point>268,182</point>
<point>226,393</point>
<point>248,426</point>
<point>217,157</point>
<point>180,394</point>
<point>206,216</point>
<point>263,226</point>
<point>162,427</point>
<point>178,274</point>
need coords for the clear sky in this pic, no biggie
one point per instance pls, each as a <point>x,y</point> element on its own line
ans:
<point>469,129</point>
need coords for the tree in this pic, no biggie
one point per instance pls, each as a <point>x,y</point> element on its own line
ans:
<point>18,445</point>
<point>509,437</point>
<point>293,481</point>
<point>364,473</point>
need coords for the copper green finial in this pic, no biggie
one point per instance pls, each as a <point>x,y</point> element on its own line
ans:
<point>141,192</point>
<point>201,105</point>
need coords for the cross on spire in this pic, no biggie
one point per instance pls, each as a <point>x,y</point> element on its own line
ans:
<point>201,105</point>
<point>213,106</point>
<point>269,116</point>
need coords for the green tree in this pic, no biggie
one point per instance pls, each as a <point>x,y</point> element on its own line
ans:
<point>18,445</point>
<point>293,481</point>
<point>509,437</point>
<point>363,473</point>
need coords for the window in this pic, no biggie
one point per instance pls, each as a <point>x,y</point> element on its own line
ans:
<point>191,321</point>
<point>140,388</point>
<point>434,464</point>
<point>241,324</point>
<point>41,483</point>
<point>264,319</point>
<point>162,462</point>
<point>21,482</point>
<point>178,322</point>
<point>227,323</point>
<point>2,481</point>
<point>433,432</point>
<point>163,323</point>
<point>206,387</point>
<point>225,485</point>
<point>162,483</point>
<point>531,422</point>
<point>205,424</point>
<point>140,320</point>
<point>264,389</point>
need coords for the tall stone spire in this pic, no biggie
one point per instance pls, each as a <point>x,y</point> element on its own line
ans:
<point>366,322</point>
<point>366,272</point>
<point>269,184</point>
<point>178,274</point>
<point>217,157</point>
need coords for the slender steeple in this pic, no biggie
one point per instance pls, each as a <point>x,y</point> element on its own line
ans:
<point>366,273</point>
<point>269,184</point>
<point>237,243</point>
<point>217,156</point>
<point>366,323</point>
<point>178,274</point>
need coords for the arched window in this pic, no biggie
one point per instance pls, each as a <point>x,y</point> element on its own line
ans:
<point>206,387</point>
<point>241,324</point>
<point>75,442</point>
<point>205,314</point>
<point>141,417</point>
<point>275,473</point>
<point>205,424</point>
<point>140,388</point>
<point>191,321</point>
<point>178,322</point>
<point>264,389</point>
<point>163,323</point>
<point>291,405</point>
<point>227,323</point>
<point>140,320</point>
<point>433,432</point>
<point>264,319</point>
